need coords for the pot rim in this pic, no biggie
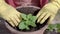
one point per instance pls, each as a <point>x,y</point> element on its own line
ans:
<point>28,6</point>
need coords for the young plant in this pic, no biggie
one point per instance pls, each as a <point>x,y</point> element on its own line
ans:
<point>55,27</point>
<point>27,20</point>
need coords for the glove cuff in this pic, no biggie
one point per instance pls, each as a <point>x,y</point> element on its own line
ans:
<point>52,8</point>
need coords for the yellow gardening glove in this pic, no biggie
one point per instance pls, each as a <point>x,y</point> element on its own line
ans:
<point>9,13</point>
<point>49,10</point>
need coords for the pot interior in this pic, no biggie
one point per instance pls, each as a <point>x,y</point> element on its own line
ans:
<point>33,11</point>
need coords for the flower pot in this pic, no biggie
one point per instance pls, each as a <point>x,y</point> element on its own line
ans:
<point>40,31</point>
<point>27,9</point>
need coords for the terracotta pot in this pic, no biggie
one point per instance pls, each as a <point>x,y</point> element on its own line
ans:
<point>40,31</point>
<point>32,9</point>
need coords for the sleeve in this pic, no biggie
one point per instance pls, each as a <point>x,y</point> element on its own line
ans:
<point>43,2</point>
<point>10,2</point>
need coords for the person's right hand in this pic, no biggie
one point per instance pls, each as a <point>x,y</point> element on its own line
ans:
<point>9,13</point>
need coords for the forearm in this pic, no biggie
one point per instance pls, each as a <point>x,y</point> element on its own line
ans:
<point>3,6</point>
<point>6,9</point>
<point>52,7</point>
<point>56,2</point>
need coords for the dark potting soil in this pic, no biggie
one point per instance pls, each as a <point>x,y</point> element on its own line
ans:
<point>29,10</point>
<point>34,11</point>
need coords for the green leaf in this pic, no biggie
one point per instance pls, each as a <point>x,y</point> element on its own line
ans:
<point>27,28</point>
<point>58,30</point>
<point>58,26</point>
<point>51,27</point>
<point>54,26</point>
<point>22,25</point>
<point>29,16</point>
<point>33,19</point>
<point>33,24</point>
<point>28,22</point>
<point>24,16</point>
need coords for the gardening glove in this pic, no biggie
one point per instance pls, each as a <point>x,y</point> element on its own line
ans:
<point>9,13</point>
<point>49,10</point>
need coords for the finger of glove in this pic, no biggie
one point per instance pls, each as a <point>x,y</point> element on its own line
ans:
<point>40,12</point>
<point>40,17</point>
<point>51,19</point>
<point>44,19</point>
<point>10,22</point>
<point>14,21</point>
<point>17,19</point>
<point>19,16</point>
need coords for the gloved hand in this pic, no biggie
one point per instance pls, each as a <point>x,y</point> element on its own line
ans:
<point>9,13</point>
<point>49,10</point>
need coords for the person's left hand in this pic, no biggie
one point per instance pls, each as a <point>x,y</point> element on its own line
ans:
<point>49,10</point>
